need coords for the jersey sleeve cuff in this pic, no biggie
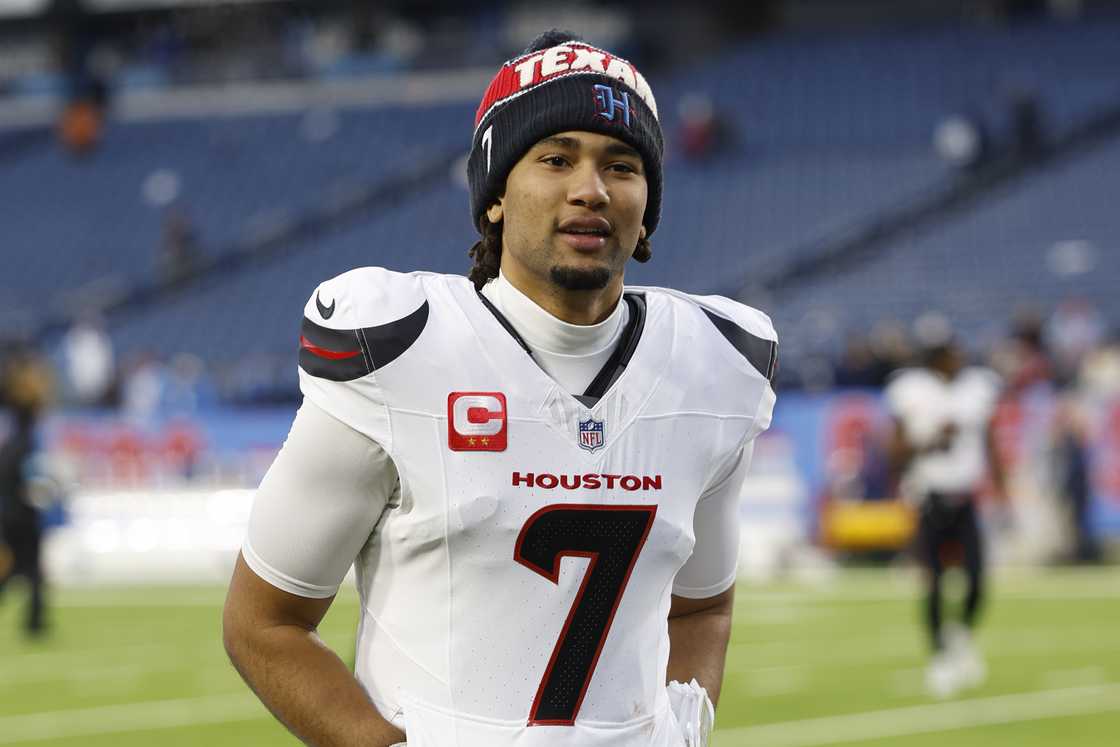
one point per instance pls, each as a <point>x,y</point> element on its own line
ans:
<point>283,581</point>
<point>703,592</point>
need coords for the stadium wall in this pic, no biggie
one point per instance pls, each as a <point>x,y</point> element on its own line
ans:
<point>168,499</point>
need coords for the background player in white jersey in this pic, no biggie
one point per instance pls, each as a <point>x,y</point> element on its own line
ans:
<point>942,448</point>
<point>536,474</point>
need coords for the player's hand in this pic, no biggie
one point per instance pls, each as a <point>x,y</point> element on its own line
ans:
<point>694,712</point>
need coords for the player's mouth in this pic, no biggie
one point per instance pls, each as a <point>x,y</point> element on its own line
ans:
<point>585,234</point>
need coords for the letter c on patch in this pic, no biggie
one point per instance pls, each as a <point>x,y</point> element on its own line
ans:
<point>476,421</point>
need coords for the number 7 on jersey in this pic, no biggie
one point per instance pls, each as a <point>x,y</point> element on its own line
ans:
<point>611,537</point>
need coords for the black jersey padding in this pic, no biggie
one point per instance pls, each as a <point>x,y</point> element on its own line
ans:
<point>622,354</point>
<point>348,354</point>
<point>759,352</point>
<point>505,323</point>
<point>387,342</point>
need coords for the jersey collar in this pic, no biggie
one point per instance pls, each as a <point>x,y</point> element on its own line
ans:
<point>615,365</point>
<point>617,395</point>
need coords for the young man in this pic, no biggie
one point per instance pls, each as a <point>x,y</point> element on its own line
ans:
<point>941,449</point>
<point>537,475</point>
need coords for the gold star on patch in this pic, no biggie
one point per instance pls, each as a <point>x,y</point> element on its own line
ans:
<point>470,441</point>
<point>485,441</point>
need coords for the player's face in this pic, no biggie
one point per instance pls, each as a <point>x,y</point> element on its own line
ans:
<point>572,212</point>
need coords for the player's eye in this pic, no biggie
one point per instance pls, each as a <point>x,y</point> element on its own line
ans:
<point>622,168</point>
<point>557,161</point>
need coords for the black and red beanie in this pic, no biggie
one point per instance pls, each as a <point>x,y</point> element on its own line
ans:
<point>561,83</point>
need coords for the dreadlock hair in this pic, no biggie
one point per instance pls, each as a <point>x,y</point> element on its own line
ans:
<point>487,253</point>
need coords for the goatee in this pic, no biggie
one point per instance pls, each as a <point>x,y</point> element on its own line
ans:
<point>577,279</point>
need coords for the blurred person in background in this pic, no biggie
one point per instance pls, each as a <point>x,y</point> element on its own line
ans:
<point>1022,359</point>
<point>941,447</point>
<point>82,117</point>
<point>1075,329</point>
<point>88,362</point>
<point>180,254</point>
<point>25,391</point>
<point>1099,376</point>
<point>703,132</point>
<point>144,382</point>
<point>1097,391</point>
<point>1072,478</point>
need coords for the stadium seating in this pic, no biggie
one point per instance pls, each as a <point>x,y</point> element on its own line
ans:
<point>984,265</point>
<point>828,132</point>
<point>83,222</point>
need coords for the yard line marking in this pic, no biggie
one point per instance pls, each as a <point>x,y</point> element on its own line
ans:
<point>928,719</point>
<point>130,717</point>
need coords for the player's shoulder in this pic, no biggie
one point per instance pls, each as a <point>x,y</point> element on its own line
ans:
<point>371,296</point>
<point>365,319</point>
<point>981,383</point>
<point>910,387</point>
<point>909,378</point>
<point>981,376</point>
<point>743,330</point>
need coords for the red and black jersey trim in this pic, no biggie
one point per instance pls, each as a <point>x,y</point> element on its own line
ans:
<point>348,354</point>
<point>759,352</point>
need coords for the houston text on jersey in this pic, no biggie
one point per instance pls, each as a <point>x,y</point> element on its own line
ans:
<point>547,481</point>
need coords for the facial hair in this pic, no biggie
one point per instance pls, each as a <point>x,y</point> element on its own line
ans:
<point>579,279</point>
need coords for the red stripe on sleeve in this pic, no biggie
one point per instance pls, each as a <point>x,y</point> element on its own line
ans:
<point>324,353</point>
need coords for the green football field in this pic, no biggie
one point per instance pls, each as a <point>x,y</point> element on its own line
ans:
<point>836,663</point>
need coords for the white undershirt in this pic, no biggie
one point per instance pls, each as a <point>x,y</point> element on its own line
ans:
<point>572,354</point>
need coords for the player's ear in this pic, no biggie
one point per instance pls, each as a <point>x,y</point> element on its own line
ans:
<point>642,233</point>
<point>494,212</point>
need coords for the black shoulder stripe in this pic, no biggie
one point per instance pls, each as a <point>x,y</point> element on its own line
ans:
<point>759,352</point>
<point>385,343</point>
<point>348,354</point>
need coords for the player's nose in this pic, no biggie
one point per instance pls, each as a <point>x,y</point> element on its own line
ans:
<point>587,188</point>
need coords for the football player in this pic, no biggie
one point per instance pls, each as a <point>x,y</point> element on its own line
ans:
<point>25,392</point>
<point>535,471</point>
<point>941,448</point>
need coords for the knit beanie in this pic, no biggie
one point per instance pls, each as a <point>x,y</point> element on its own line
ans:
<point>559,84</point>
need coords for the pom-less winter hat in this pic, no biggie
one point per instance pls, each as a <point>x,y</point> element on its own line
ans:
<point>561,83</point>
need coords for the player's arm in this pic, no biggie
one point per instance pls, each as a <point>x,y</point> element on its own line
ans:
<point>315,509</point>
<point>699,631</point>
<point>703,591</point>
<point>271,638</point>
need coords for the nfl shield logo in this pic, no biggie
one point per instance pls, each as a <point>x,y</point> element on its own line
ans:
<point>590,434</point>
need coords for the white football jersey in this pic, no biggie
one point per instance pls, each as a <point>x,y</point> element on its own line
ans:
<point>925,402</point>
<point>518,593</point>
